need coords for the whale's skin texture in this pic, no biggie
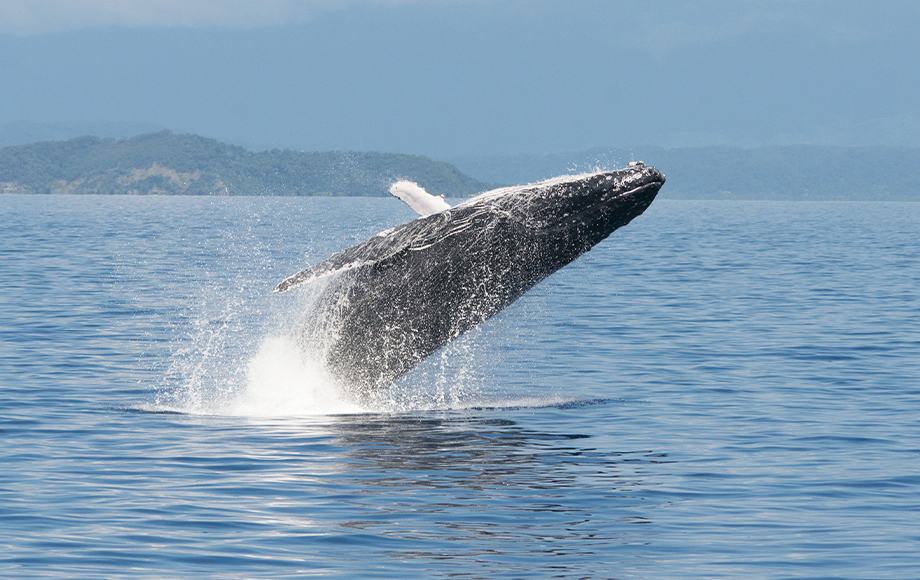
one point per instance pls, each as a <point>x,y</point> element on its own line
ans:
<point>400,296</point>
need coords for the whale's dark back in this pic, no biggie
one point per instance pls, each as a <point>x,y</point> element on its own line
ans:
<point>465,265</point>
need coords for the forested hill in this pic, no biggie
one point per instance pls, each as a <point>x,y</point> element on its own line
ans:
<point>166,163</point>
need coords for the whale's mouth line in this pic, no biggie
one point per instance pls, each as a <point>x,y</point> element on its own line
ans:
<point>609,201</point>
<point>654,182</point>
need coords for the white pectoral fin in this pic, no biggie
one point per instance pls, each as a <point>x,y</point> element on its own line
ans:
<point>422,202</point>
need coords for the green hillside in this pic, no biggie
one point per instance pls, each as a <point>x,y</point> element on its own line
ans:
<point>166,163</point>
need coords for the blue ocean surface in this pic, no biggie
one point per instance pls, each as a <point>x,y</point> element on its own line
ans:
<point>719,390</point>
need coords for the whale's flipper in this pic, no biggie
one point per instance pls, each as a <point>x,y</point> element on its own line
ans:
<point>378,248</point>
<point>422,202</point>
<point>416,235</point>
<point>356,257</point>
<point>381,246</point>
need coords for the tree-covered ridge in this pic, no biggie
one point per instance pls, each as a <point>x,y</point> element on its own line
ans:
<point>166,163</point>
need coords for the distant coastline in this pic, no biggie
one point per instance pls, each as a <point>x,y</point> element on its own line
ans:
<point>170,164</point>
<point>175,164</point>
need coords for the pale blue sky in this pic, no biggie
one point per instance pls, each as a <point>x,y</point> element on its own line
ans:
<point>447,78</point>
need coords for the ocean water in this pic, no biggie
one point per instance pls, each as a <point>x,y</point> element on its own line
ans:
<point>719,390</point>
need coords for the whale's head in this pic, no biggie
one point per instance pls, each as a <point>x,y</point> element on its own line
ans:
<point>579,210</point>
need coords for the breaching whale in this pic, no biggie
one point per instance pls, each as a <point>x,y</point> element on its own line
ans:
<point>401,295</point>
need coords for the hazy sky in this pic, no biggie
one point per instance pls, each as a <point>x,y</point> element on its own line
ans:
<point>446,78</point>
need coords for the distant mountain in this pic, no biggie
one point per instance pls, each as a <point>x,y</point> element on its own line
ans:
<point>801,172</point>
<point>23,132</point>
<point>166,163</point>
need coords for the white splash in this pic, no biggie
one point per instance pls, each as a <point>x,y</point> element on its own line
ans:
<point>282,381</point>
<point>243,357</point>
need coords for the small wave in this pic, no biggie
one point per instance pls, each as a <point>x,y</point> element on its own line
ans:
<point>392,406</point>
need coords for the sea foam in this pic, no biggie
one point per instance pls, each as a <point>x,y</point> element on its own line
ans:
<point>282,380</point>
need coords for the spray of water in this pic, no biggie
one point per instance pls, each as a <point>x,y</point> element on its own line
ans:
<point>243,355</point>
<point>252,355</point>
<point>283,380</point>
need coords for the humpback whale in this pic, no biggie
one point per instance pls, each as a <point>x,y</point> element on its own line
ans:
<point>398,297</point>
